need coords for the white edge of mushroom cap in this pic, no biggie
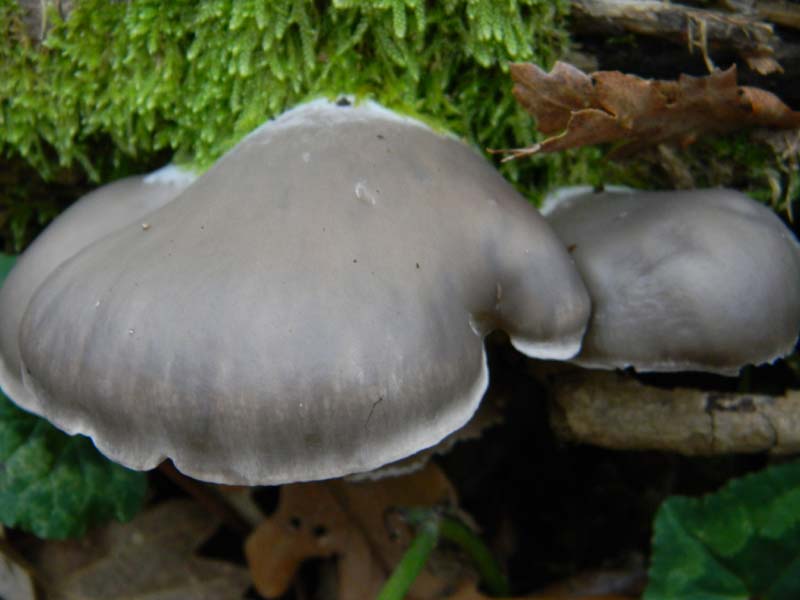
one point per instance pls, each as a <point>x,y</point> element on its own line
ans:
<point>563,195</point>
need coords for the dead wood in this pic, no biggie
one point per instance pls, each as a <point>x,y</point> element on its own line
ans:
<point>614,410</point>
<point>700,30</point>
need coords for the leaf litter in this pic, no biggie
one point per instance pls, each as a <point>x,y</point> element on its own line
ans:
<point>151,557</point>
<point>575,109</point>
<point>355,522</point>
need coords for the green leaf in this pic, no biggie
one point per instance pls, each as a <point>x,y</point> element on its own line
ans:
<point>741,543</point>
<point>55,485</point>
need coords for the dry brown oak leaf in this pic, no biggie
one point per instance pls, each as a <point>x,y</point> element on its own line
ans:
<point>355,522</point>
<point>576,109</point>
<point>151,558</point>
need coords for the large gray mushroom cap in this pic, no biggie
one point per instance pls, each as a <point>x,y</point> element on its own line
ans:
<point>91,218</point>
<point>704,280</point>
<point>313,306</point>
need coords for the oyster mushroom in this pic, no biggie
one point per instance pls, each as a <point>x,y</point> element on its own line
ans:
<point>91,218</point>
<point>313,306</point>
<point>702,280</point>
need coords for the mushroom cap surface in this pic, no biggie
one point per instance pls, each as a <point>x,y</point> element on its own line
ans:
<point>87,220</point>
<point>313,306</point>
<point>703,280</point>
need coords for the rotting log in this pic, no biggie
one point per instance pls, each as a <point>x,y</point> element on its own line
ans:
<point>614,410</point>
<point>753,40</point>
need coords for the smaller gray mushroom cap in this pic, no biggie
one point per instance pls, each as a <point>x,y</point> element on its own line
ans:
<point>89,219</point>
<point>702,280</point>
<point>313,306</point>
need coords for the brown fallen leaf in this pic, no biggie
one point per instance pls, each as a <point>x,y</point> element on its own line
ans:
<point>353,521</point>
<point>151,557</point>
<point>576,109</point>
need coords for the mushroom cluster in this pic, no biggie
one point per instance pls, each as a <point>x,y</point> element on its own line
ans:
<point>313,306</point>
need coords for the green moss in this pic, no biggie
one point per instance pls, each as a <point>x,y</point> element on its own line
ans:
<point>117,82</point>
<point>194,77</point>
<point>761,163</point>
